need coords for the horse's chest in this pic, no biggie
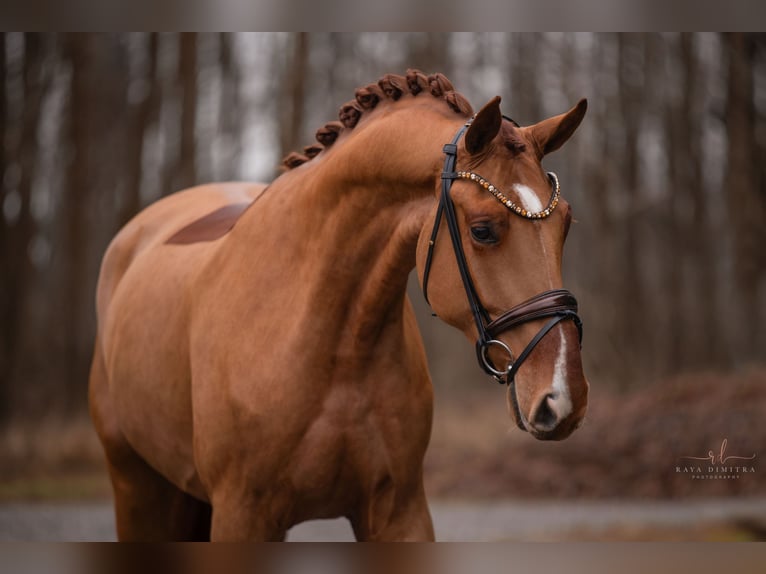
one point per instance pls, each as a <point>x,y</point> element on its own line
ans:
<point>340,451</point>
<point>343,454</point>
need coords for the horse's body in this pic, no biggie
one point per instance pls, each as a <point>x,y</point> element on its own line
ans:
<point>246,381</point>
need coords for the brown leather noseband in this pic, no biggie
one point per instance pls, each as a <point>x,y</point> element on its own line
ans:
<point>557,304</point>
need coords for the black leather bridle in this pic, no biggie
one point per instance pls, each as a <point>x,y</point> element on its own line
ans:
<point>558,304</point>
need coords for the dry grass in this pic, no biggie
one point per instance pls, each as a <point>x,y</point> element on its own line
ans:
<point>53,459</point>
<point>629,447</point>
<point>48,444</point>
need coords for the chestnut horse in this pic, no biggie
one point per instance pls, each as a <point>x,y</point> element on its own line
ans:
<point>258,362</point>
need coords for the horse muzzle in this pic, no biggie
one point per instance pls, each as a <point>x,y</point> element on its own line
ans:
<point>556,305</point>
<point>554,414</point>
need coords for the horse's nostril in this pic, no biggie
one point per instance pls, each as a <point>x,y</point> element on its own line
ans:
<point>545,417</point>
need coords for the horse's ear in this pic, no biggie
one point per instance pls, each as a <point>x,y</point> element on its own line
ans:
<point>484,127</point>
<point>551,134</point>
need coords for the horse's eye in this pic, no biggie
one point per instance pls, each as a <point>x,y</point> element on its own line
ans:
<point>483,234</point>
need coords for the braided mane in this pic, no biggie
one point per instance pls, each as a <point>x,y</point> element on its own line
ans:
<point>390,87</point>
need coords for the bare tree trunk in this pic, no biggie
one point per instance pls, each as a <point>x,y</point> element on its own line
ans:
<point>187,68</point>
<point>759,160</point>
<point>602,229</point>
<point>675,253</point>
<point>143,114</point>
<point>231,106</point>
<point>745,201</point>
<point>294,90</point>
<point>5,336</point>
<point>704,340</point>
<point>525,94</point>
<point>429,51</point>
<point>630,75</point>
<point>181,171</point>
<point>78,49</point>
<point>18,272</point>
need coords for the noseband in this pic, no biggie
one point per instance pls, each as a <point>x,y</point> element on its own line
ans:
<point>558,304</point>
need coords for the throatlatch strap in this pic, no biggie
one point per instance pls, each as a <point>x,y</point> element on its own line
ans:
<point>429,256</point>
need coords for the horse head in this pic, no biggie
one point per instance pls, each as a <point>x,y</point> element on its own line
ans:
<point>507,224</point>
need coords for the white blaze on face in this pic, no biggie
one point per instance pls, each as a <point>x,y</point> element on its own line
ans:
<point>529,201</point>
<point>560,387</point>
<point>528,198</point>
<point>563,401</point>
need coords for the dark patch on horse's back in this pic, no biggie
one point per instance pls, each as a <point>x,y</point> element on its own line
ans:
<point>210,227</point>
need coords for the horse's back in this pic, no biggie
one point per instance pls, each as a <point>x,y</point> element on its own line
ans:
<point>161,221</point>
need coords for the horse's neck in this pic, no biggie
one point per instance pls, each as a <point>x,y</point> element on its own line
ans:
<point>369,259</point>
<point>356,221</point>
<point>396,151</point>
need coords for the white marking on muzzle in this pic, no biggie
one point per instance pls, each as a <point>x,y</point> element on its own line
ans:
<point>563,401</point>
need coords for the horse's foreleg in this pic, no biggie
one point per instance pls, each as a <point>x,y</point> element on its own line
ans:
<point>240,518</point>
<point>395,517</point>
<point>147,506</point>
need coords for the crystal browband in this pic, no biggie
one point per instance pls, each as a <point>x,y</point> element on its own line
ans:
<point>502,198</point>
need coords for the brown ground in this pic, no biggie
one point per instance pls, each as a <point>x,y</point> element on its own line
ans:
<point>629,447</point>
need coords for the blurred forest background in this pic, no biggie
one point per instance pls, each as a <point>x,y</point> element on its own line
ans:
<point>667,178</point>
